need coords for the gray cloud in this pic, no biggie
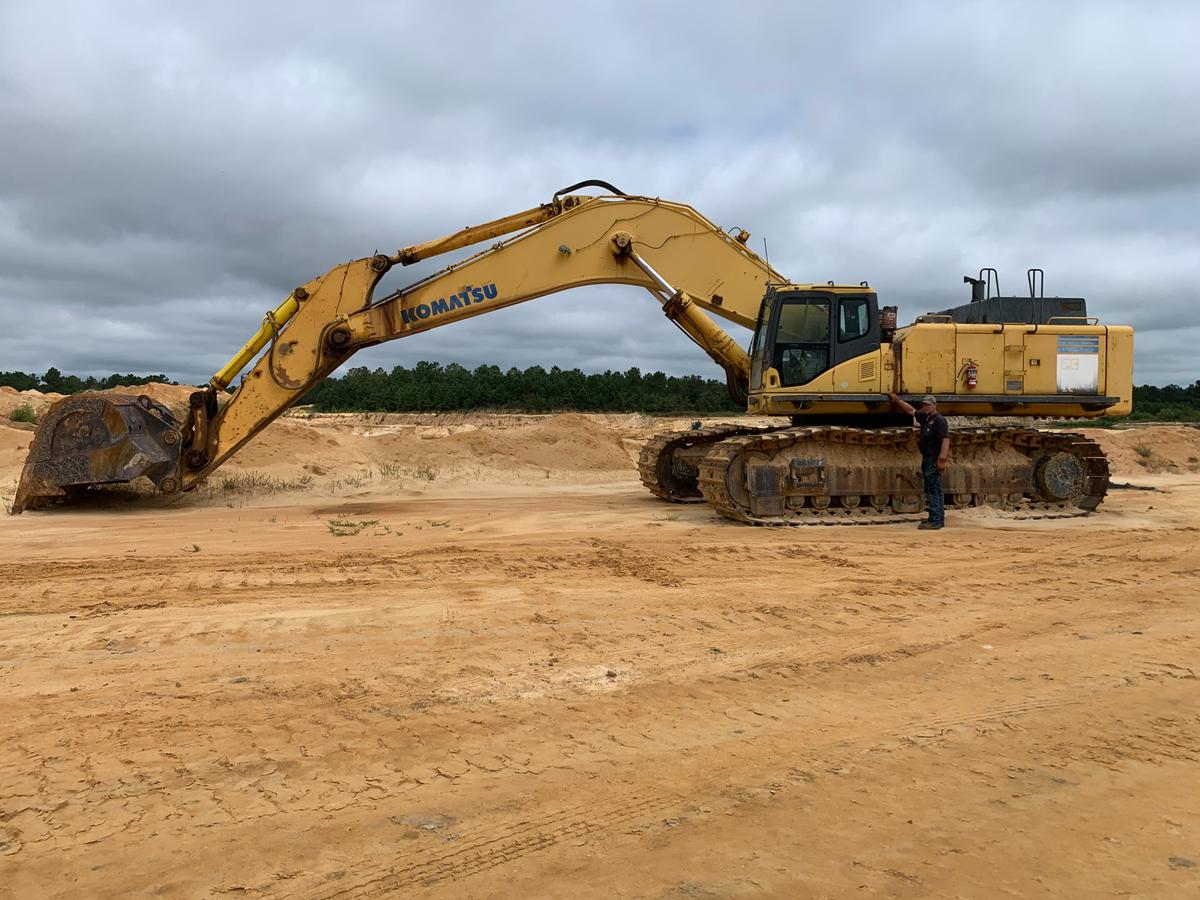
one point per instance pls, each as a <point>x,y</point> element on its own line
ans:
<point>171,170</point>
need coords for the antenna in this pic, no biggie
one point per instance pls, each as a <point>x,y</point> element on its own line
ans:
<point>766,255</point>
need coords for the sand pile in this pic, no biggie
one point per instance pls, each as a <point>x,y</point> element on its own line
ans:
<point>174,396</point>
<point>567,442</point>
<point>11,399</point>
<point>1150,448</point>
<point>328,445</point>
<point>291,446</point>
<point>14,445</point>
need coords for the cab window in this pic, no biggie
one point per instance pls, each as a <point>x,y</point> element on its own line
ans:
<point>759,341</point>
<point>804,323</point>
<point>853,319</point>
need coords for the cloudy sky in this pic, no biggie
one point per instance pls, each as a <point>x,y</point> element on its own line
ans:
<point>171,170</point>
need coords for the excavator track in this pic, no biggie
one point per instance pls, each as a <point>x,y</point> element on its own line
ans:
<point>671,475</point>
<point>830,475</point>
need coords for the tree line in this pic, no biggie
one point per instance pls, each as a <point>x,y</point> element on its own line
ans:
<point>54,381</point>
<point>431,387</point>
<point>1167,404</point>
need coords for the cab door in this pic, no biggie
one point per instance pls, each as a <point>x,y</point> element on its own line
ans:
<point>802,348</point>
<point>857,331</point>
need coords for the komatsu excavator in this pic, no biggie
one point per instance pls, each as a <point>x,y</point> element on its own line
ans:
<point>824,357</point>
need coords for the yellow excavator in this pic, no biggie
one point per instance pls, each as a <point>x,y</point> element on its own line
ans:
<point>824,357</point>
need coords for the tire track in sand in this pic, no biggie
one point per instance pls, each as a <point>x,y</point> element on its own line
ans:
<point>499,847</point>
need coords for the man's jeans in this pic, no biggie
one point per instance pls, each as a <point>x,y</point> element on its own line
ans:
<point>934,503</point>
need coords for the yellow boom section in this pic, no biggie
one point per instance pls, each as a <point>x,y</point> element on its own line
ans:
<point>686,262</point>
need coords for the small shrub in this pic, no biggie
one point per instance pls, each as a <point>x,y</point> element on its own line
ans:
<point>1153,463</point>
<point>395,470</point>
<point>346,527</point>
<point>357,480</point>
<point>24,413</point>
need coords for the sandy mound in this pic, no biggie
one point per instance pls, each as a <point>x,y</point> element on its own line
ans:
<point>11,399</point>
<point>14,444</point>
<point>567,442</point>
<point>289,446</point>
<point>325,445</point>
<point>174,396</point>
<point>1150,448</point>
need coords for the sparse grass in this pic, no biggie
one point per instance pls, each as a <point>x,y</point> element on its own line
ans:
<point>23,413</point>
<point>348,527</point>
<point>395,471</point>
<point>435,523</point>
<point>1153,463</point>
<point>252,483</point>
<point>355,480</point>
<point>668,517</point>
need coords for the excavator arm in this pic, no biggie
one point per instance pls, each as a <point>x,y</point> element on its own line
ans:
<point>688,264</point>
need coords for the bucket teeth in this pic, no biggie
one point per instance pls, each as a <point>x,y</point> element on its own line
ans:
<point>92,439</point>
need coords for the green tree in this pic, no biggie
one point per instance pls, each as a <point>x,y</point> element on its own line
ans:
<point>22,381</point>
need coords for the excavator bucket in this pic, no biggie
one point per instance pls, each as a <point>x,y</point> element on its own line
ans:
<point>92,439</point>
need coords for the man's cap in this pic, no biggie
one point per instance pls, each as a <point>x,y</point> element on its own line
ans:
<point>929,398</point>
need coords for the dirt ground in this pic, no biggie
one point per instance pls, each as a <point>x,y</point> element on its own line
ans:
<point>469,657</point>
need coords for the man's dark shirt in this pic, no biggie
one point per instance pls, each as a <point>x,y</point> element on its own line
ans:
<point>933,429</point>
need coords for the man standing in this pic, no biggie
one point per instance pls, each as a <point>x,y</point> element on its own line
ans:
<point>935,448</point>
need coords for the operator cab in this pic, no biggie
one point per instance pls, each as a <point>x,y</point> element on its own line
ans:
<point>805,331</point>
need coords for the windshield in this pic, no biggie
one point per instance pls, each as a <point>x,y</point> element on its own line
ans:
<point>805,321</point>
<point>801,349</point>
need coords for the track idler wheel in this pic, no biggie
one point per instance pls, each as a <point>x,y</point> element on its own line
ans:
<point>1060,477</point>
<point>93,439</point>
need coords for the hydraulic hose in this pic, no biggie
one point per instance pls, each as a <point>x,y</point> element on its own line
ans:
<point>590,183</point>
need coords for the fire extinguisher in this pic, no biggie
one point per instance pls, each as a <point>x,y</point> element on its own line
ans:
<point>970,375</point>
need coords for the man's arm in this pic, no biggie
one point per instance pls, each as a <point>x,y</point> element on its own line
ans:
<point>908,408</point>
<point>944,450</point>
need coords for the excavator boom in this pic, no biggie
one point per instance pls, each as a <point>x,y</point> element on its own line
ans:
<point>687,263</point>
